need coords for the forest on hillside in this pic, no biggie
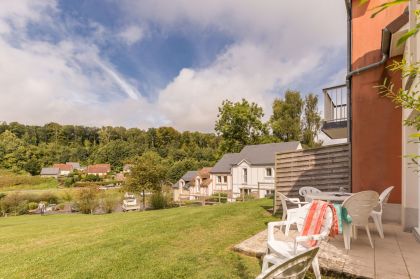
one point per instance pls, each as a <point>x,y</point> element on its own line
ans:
<point>28,148</point>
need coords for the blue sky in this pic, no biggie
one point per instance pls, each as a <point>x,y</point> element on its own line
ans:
<point>144,63</point>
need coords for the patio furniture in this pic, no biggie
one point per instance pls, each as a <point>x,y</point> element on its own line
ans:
<point>295,267</point>
<point>359,206</point>
<point>281,250</point>
<point>287,212</point>
<point>377,215</point>
<point>304,191</point>
<point>330,196</point>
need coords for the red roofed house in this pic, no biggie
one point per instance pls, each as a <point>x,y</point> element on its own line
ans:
<point>99,169</point>
<point>65,169</point>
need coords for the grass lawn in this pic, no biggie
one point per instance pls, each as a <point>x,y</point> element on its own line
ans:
<point>189,242</point>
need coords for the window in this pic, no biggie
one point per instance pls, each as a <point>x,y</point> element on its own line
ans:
<point>269,172</point>
<point>244,175</point>
<point>225,179</point>
<point>219,179</point>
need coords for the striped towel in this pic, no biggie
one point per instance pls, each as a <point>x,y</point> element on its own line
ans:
<point>315,218</point>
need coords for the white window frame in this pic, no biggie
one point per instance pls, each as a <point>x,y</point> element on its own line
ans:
<point>271,172</point>
<point>244,175</point>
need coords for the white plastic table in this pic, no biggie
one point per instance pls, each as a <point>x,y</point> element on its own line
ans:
<point>329,196</point>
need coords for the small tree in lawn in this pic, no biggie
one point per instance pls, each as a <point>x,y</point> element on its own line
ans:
<point>147,174</point>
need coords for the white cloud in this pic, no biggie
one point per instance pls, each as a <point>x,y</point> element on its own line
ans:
<point>67,82</point>
<point>132,34</point>
<point>276,44</point>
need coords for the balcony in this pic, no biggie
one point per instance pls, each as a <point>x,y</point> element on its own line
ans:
<point>335,112</point>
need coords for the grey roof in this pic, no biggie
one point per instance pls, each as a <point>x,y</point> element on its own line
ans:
<point>264,154</point>
<point>225,163</point>
<point>50,171</point>
<point>189,175</point>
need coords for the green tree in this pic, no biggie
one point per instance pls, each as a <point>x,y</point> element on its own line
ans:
<point>239,124</point>
<point>286,119</point>
<point>147,174</point>
<point>311,123</point>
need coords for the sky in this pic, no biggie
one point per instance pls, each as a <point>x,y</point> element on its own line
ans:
<point>150,63</point>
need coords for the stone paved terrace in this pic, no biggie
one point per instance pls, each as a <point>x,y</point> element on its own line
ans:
<point>396,256</point>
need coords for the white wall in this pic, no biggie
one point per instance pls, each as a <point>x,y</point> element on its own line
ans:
<point>410,172</point>
<point>257,179</point>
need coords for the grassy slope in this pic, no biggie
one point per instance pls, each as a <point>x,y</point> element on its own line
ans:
<point>191,242</point>
<point>10,181</point>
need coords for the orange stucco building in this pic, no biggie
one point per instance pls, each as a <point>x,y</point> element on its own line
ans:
<point>373,124</point>
<point>376,122</point>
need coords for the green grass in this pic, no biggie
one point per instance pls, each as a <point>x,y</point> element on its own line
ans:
<point>189,242</point>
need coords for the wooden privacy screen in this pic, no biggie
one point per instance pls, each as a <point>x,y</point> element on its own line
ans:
<point>326,168</point>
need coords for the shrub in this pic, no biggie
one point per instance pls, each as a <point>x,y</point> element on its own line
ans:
<point>60,206</point>
<point>87,200</point>
<point>108,203</point>
<point>69,181</point>
<point>158,200</point>
<point>48,197</point>
<point>2,195</point>
<point>14,203</point>
<point>92,178</point>
<point>67,196</point>
<point>32,205</point>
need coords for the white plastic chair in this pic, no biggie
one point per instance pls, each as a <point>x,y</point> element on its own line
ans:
<point>288,212</point>
<point>280,251</point>
<point>308,190</point>
<point>359,206</point>
<point>377,215</point>
<point>295,267</point>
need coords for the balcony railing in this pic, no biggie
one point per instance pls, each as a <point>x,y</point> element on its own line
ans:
<point>335,103</point>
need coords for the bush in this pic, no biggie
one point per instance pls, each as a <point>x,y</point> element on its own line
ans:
<point>87,200</point>
<point>32,205</point>
<point>92,178</point>
<point>158,200</point>
<point>69,181</point>
<point>60,206</point>
<point>67,196</point>
<point>14,203</point>
<point>48,197</point>
<point>109,203</point>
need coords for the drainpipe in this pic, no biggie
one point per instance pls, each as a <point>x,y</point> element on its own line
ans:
<point>348,4</point>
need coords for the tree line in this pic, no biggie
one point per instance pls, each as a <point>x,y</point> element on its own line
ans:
<point>30,147</point>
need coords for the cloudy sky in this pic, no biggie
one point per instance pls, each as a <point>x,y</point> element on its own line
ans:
<point>144,63</point>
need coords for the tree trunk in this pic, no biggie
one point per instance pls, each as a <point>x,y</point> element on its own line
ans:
<point>144,201</point>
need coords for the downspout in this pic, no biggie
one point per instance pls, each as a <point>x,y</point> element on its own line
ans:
<point>348,4</point>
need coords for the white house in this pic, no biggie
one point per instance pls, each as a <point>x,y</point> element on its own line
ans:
<point>181,189</point>
<point>193,185</point>
<point>250,171</point>
<point>65,169</point>
<point>221,175</point>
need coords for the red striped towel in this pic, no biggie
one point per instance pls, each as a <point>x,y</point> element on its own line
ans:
<point>315,218</point>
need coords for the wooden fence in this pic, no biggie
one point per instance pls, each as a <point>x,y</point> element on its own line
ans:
<point>326,168</point>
